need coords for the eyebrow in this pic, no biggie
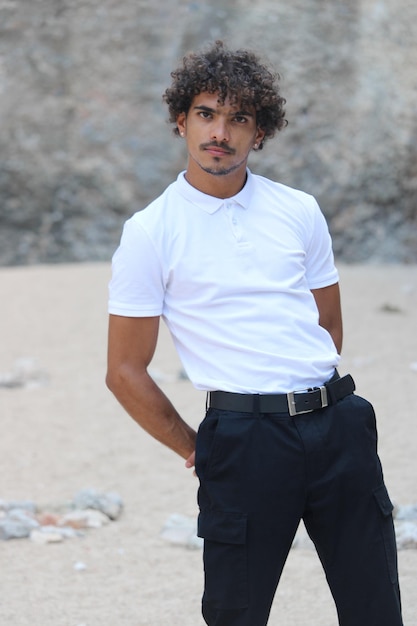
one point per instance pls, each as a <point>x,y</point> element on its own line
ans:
<point>202,107</point>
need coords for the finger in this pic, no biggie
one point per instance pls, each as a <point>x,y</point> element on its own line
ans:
<point>190,461</point>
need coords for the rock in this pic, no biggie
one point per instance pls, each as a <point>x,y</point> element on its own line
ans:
<point>406,535</point>
<point>21,519</point>
<point>47,534</point>
<point>408,512</point>
<point>87,518</point>
<point>108,503</point>
<point>26,374</point>
<point>85,141</point>
<point>181,530</point>
<point>48,519</point>
<point>26,505</point>
<point>15,528</point>
<point>79,566</point>
<point>53,534</point>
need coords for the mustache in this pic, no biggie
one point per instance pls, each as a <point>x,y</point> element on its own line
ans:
<point>215,144</point>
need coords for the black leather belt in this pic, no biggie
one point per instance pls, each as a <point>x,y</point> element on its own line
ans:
<point>294,403</point>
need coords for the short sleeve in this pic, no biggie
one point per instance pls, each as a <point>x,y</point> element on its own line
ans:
<point>320,267</point>
<point>136,288</point>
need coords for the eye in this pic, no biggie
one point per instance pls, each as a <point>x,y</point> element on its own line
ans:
<point>204,114</point>
<point>240,119</point>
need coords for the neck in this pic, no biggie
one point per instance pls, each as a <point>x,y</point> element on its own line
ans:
<point>216,185</point>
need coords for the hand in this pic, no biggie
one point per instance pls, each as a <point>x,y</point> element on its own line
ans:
<point>190,462</point>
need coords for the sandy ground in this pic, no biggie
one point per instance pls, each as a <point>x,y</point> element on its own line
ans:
<point>70,433</point>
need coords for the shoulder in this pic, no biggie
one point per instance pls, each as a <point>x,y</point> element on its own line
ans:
<point>283,192</point>
<point>295,204</point>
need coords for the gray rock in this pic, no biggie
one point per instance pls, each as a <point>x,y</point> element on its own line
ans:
<point>25,373</point>
<point>110,504</point>
<point>87,518</point>
<point>408,512</point>
<point>406,535</point>
<point>182,530</point>
<point>47,534</point>
<point>86,139</point>
<point>25,505</point>
<point>14,529</point>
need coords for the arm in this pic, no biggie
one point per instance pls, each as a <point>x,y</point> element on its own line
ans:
<point>131,346</point>
<point>330,314</point>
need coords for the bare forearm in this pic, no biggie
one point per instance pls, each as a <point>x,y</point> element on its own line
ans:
<point>336,334</point>
<point>330,315</point>
<point>152,410</point>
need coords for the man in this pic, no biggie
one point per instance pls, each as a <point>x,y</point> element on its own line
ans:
<point>241,269</point>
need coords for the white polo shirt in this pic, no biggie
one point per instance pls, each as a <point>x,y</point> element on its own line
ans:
<point>232,280</point>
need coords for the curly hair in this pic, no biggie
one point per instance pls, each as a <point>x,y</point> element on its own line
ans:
<point>238,75</point>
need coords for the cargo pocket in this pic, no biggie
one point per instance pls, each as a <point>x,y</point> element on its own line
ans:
<point>225,558</point>
<point>388,533</point>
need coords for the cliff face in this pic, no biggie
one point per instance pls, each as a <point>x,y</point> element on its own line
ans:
<point>85,142</point>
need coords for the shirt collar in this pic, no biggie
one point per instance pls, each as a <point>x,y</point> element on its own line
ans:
<point>211,204</point>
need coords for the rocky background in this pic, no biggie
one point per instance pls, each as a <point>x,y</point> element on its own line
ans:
<point>84,140</point>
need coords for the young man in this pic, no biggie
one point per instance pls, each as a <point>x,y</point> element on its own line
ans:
<point>241,269</point>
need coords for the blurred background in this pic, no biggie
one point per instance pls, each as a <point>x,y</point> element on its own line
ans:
<point>85,142</point>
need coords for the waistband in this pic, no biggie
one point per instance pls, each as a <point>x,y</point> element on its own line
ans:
<point>293,403</point>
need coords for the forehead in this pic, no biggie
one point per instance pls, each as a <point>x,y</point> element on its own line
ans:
<point>211,101</point>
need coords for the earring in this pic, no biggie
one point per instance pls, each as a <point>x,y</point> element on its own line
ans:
<point>182,133</point>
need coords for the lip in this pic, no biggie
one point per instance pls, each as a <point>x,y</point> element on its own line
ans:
<point>214,151</point>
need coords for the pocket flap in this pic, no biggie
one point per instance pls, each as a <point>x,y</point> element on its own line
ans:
<point>383,499</point>
<point>222,526</point>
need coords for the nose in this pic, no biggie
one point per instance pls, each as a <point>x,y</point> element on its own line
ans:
<point>219,130</point>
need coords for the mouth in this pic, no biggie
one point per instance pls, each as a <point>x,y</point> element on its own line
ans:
<point>216,151</point>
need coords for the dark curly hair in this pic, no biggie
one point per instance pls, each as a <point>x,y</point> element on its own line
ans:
<point>238,75</point>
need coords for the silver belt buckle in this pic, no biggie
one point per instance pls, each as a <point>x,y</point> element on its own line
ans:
<point>291,400</point>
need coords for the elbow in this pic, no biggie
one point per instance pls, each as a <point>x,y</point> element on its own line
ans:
<point>115,379</point>
<point>122,377</point>
<point>111,380</point>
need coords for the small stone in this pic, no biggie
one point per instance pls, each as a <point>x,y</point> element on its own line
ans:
<point>79,566</point>
<point>406,512</point>
<point>406,535</point>
<point>46,534</point>
<point>48,519</point>
<point>11,529</point>
<point>25,505</point>
<point>182,530</point>
<point>87,518</point>
<point>108,503</point>
<point>23,516</point>
<point>16,524</point>
<point>390,308</point>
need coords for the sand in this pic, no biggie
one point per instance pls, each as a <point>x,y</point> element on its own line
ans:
<point>69,433</point>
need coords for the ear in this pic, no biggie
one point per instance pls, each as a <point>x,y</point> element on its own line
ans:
<point>181,124</point>
<point>259,137</point>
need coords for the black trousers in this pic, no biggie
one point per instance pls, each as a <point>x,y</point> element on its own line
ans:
<point>259,476</point>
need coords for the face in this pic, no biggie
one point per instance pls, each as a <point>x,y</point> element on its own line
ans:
<point>219,138</point>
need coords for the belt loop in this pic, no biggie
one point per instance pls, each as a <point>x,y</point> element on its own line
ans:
<point>256,405</point>
<point>207,400</point>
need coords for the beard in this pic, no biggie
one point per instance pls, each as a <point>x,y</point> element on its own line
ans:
<point>221,170</point>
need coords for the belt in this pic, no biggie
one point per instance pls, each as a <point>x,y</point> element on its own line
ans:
<point>294,403</point>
